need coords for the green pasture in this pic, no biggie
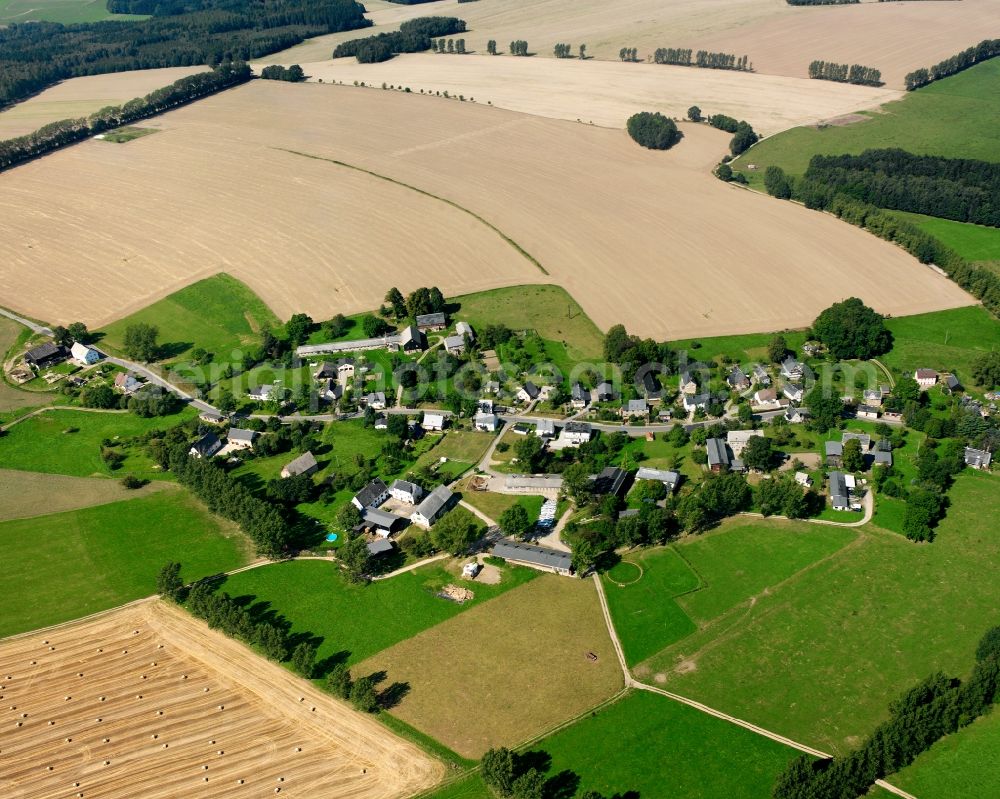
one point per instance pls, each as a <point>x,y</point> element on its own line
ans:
<point>972,242</point>
<point>64,11</point>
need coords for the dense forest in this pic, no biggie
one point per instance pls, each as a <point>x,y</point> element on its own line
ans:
<point>37,54</point>
<point>985,50</point>
<point>413,36</point>
<point>843,73</point>
<point>66,131</point>
<point>951,188</point>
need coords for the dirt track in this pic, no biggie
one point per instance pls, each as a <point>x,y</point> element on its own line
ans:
<point>646,238</point>
<point>185,712</point>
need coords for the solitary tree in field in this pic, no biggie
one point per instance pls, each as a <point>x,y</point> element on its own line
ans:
<point>491,47</point>
<point>140,342</point>
<point>694,114</point>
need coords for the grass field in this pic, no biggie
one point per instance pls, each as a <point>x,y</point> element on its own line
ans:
<point>548,310</point>
<point>964,764</point>
<point>27,494</point>
<point>358,621</point>
<point>862,625</point>
<point>462,448</point>
<point>64,11</point>
<point>493,504</point>
<point>67,565</point>
<point>127,134</point>
<point>945,340</point>
<point>749,348</point>
<point>219,314</point>
<point>972,242</point>
<point>958,117</point>
<point>15,402</point>
<point>611,751</point>
<point>505,671</point>
<point>44,443</point>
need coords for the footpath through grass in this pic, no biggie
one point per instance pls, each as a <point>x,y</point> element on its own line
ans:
<point>655,747</point>
<point>958,117</point>
<point>67,565</point>
<point>820,657</point>
<point>357,621</point>
<point>219,314</point>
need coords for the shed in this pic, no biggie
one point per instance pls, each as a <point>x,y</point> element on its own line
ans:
<point>304,464</point>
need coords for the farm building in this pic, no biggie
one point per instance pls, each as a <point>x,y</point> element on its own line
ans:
<point>882,457</point>
<point>411,339</point>
<point>304,464</point>
<point>433,421</point>
<point>978,458</point>
<point>356,345</point>
<point>543,558</point>
<point>45,354</point>
<point>380,546</point>
<point>609,481</point>
<point>487,422</point>
<point>431,321</point>
<point>241,439</point>
<point>718,454</point>
<point>952,383</point>
<point>670,479</point>
<point>382,523</point>
<point>834,453</point>
<point>433,507</point>
<point>543,484</point>
<point>371,496</point>
<point>84,354</point>
<point>405,491</point>
<point>206,446</point>
<point>839,497</point>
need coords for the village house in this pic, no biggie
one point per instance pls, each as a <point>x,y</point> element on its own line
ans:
<point>375,400</point>
<point>978,458</point>
<point>335,370</point>
<point>211,417</point>
<point>952,384</point>
<point>47,354</point>
<point>433,421</point>
<point>761,375</point>
<point>872,397</point>
<point>304,464</point>
<point>527,393</point>
<point>382,523</point>
<point>863,439</point>
<point>406,492</point>
<point>486,422</point>
<point>792,369</point>
<point>694,402</point>
<point>687,383</point>
<point>84,354</point>
<point>464,329</point>
<point>241,439</point>
<point>542,558</point>
<point>433,507</point>
<point>579,396</point>
<point>796,415</point>
<point>636,408</point>
<point>329,390</point>
<point>867,412</point>
<point>264,393</point>
<point>839,496</point>
<point>605,392</point>
<point>577,433</point>
<point>431,321</point>
<point>766,399</point>
<point>718,454</point>
<point>651,388</point>
<point>793,391</point>
<point>411,339</point>
<point>882,457</point>
<point>926,378</point>
<point>127,384</point>
<point>669,479</point>
<point>737,440</point>
<point>206,446</point>
<point>545,428</point>
<point>610,481</point>
<point>371,496</point>
<point>834,452</point>
<point>803,479</point>
<point>737,379</point>
<point>455,344</point>
<point>381,422</point>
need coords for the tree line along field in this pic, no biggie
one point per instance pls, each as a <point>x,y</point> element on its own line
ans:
<point>505,168</point>
<point>972,242</point>
<point>957,117</point>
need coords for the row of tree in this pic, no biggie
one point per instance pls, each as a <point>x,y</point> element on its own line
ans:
<point>844,73</point>
<point>38,54</point>
<point>953,188</point>
<point>981,282</point>
<point>451,46</point>
<point>744,136</point>
<point>413,36</point>
<point>519,47</point>
<point>703,58</point>
<point>985,50</point>
<point>628,54</point>
<point>566,51</point>
<point>58,134</point>
<point>935,707</point>
<point>821,2</point>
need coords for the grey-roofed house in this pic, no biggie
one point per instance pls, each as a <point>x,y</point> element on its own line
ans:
<point>610,480</point>
<point>793,391</point>
<point>718,454</point>
<point>126,383</point>
<point>737,379</point>
<point>465,329</point>
<point>792,369</point>
<point>863,439</point>
<point>304,464</point>
<point>761,376</point>
<point>211,417</point>
<point>577,432</point>
<point>796,414</point>
<point>834,452</point>
<point>544,558</point>
<point>669,478</point>
<point>636,407</point>
<point>545,428</point>
<point>882,457</point>
<point>264,393</point>
<point>579,396</point>
<point>410,339</point>
<point>839,497</point>
<point>605,392</point>
<point>978,458</point>
<point>867,412</point>
<point>405,491</point>
<point>380,546</point>
<point>344,367</point>
<point>431,321</point>
<point>206,446</point>
<point>692,402</point>
<point>375,400</point>
<point>371,496</point>
<point>383,522</point>
<point>687,384</point>
<point>455,344</point>
<point>528,392</point>
<point>952,383</point>
<point>46,354</point>
<point>433,507</point>
<point>487,422</point>
<point>239,438</point>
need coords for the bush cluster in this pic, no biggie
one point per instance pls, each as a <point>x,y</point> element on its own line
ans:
<point>653,130</point>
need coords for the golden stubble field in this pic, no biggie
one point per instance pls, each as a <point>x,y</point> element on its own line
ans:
<point>780,39</point>
<point>649,239</point>
<point>148,702</point>
<point>80,97</point>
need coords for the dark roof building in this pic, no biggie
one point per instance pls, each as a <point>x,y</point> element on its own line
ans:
<point>611,480</point>
<point>531,555</point>
<point>45,354</point>
<point>304,464</point>
<point>372,495</point>
<point>431,321</point>
<point>838,491</point>
<point>718,454</point>
<point>206,446</point>
<point>380,546</point>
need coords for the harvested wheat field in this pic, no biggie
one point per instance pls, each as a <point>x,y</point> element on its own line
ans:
<point>507,670</point>
<point>607,93</point>
<point>780,39</point>
<point>80,97</point>
<point>148,702</point>
<point>646,238</point>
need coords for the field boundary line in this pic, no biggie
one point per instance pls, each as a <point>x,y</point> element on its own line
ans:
<point>90,617</point>
<point>524,253</point>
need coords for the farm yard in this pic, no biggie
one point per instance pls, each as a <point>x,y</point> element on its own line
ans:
<point>780,39</point>
<point>79,97</point>
<point>476,157</point>
<point>147,701</point>
<point>507,670</point>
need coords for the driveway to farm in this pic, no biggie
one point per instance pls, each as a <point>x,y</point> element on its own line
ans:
<point>35,328</point>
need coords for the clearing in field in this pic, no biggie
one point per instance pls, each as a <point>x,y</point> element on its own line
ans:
<point>696,756</point>
<point>863,625</point>
<point>27,494</point>
<point>147,701</point>
<point>353,622</point>
<point>587,203</point>
<point>80,97</point>
<point>505,671</point>
<point>67,565</point>
<point>780,39</point>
